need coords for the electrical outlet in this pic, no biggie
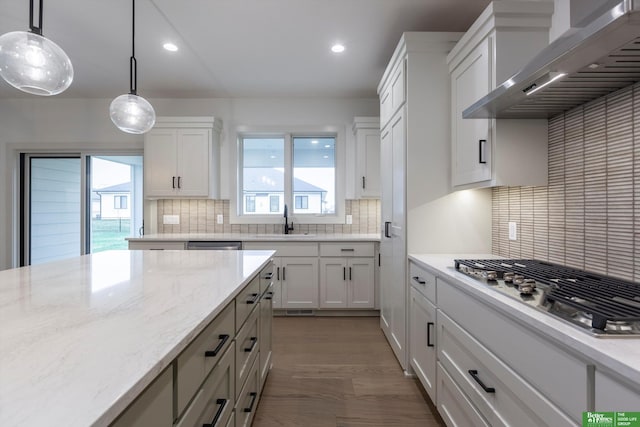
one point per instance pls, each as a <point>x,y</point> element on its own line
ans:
<point>513,230</point>
<point>220,219</point>
<point>349,219</point>
<point>171,219</point>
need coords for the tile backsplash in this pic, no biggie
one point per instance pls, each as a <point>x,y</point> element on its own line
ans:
<point>589,214</point>
<point>199,216</point>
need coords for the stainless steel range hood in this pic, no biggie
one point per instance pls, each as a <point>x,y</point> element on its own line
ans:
<point>597,59</point>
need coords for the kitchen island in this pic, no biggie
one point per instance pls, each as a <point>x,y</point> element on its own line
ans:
<point>81,338</point>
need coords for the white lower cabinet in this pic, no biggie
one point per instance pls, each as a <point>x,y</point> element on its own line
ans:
<point>615,395</point>
<point>266,322</point>
<point>347,283</point>
<point>299,282</point>
<point>422,347</point>
<point>153,407</point>
<point>453,406</point>
<point>510,374</point>
<point>213,403</point>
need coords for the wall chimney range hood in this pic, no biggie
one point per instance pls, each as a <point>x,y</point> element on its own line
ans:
<point>586,63</point>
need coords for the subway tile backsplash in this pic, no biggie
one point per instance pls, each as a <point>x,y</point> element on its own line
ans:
<point>199,216</point>
<point>589,214</point>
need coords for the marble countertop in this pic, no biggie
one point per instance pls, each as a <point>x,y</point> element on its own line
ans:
<point>82,337</point>
<point>248,237</point>
<point>620,355</point>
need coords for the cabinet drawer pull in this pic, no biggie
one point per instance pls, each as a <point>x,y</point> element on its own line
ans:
<point>429,326</point>
<point>254,396</point>
<point>350,273</point>
<point>481,146</point>
<point>179,182</point>
<point>222,403</point>
<point>173,182</point>
<point>344,273</point>
<point>347,250</point>
<point>363,183</point>
<point>474,375</point>
<point>254,298</point>
<point>278,271</point>
<point>213,353</point>
<point>419,280</point>
<point>253,340</point>
<point>284,277</point>
<point>268,295</point>
<point>269,275</point>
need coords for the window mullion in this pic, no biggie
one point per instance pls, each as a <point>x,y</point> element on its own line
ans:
<point>288,171</point>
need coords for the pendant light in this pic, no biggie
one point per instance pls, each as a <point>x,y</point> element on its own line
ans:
<point>129,112</point>
<point>33,63</point>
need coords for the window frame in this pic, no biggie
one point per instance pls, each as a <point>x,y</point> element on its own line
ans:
<point>288,133</point>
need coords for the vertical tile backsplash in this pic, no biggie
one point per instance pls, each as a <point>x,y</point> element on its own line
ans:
<point>199,216</point>
<point>589,214</point>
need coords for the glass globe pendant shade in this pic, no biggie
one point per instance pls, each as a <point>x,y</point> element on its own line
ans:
<point>34,64</point>
<point>132,114</point>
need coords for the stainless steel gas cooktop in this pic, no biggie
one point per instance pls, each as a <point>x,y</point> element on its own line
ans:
<point>600,305</point>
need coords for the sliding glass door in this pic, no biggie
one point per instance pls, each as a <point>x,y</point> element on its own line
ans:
<point>77,204</point>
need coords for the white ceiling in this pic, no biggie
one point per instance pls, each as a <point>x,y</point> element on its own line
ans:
<point>233,48</point>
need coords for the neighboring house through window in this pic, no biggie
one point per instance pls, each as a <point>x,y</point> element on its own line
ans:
<point>120,202</point>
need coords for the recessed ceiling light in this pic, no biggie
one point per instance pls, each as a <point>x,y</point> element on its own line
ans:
<point>170,47</point>
<point>314,141</point>
<point>337,48</point>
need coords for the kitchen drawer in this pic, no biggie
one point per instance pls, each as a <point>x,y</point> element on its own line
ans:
<point>557,375</point>
<point>204,352</point>
<point>157,246</point>
<point>215,400</point>
<point>247,348</point>
<point>423,281</point>
<point>266,276</point>
<point>247,300</point>
<point>153,407</point>
<point>284,248</point>
<point>453,405</point>
<point>347,249</point>
<point>614,395</point>
<point>247,401</point>
<point>498,392</point>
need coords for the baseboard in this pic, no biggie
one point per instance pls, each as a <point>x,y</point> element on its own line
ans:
<point>325,312</point>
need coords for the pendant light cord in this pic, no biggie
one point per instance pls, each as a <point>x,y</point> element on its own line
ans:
<point>133,65</point>
<point>36,30</point>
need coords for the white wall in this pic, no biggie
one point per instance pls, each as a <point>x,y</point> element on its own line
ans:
<point>37,123</point>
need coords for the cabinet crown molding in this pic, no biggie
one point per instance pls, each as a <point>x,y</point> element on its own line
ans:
<point>208,122</point>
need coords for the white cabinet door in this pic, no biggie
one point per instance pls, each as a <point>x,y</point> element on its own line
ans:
<point>347,283</point>
<point>361,291</point>
<point>266,322</point>
<point>160,147</point>
<point>193,159</point>
<point>333,283</point>
<point>277,282</point>
<point>368,162</point>
<point>422,344</point>
<point>299,280</point>
<point>470,81</point>
<point>613,395</point>
<point>178,162</point>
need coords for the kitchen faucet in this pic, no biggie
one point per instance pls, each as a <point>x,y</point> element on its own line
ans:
<point>287,228</point>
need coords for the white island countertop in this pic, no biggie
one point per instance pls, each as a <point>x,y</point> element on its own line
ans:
<point>82,337</point>
<point>248,237</point>
<point>618,355</point>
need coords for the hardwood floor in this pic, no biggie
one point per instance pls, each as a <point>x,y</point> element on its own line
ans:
<point>338,371</point>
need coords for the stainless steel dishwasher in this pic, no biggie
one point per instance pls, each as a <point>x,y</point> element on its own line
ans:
<point>213,245</point>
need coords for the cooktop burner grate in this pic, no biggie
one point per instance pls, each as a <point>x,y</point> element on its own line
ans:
<point>601,297</point>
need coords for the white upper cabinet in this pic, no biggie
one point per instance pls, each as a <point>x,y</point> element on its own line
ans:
<point>367,135</point>
<point>181,157</point>
<point>490,152</point>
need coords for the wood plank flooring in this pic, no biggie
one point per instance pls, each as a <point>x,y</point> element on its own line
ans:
<point>338,371</point>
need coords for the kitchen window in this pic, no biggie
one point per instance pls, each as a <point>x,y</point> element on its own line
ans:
<point>120,202</point>
<point>296,169</point>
